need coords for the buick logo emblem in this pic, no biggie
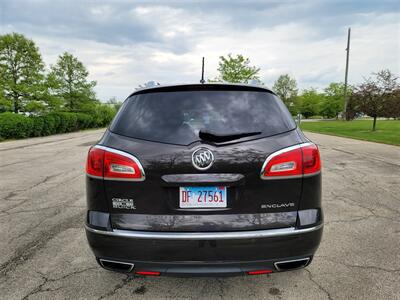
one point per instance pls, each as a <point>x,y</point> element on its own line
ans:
<point>202,158</point>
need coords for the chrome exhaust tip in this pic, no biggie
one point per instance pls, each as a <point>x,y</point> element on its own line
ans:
<point>116,266</point>
<point>294,264</point>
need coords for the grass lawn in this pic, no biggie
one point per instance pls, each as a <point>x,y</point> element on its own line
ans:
<point>387,131</point>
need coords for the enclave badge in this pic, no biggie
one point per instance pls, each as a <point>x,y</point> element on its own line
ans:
<point>277,205</point>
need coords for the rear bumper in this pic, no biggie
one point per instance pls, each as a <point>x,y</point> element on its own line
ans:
<point>210,253</point>
<point>204,269</point>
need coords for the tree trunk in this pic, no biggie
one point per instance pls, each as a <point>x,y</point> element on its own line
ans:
<point>374,124</point>
<point>16,106</point>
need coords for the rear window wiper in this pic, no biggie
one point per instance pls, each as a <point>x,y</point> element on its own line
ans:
<point>220,138</point>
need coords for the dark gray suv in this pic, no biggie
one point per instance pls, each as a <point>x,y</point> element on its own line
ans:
<point>203,179</point>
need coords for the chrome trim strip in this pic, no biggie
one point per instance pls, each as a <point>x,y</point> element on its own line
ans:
<point>307,259</point>
<point>199,178</point>
<point>143,177</point>
<point>116,262</point>
<point>226,235</point>
<point>280,177</point>
<point>271,156</point>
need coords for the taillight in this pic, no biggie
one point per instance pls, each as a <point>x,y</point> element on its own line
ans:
<point>311,159</point>
<point>292,162</point>
<point>112,164</point>
<point>95,162</point>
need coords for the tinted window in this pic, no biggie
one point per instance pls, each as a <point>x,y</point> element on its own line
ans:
<point>177,117</point>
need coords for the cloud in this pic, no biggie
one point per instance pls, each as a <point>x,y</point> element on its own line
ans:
<point>126,43</point>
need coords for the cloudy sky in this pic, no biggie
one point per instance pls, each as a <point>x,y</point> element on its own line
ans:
<point>127,43</point>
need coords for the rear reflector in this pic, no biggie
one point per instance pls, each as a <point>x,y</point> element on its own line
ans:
<point>148,273</point>
<point>111,164</point>
<point>259,272</point>
<point>292,162</point>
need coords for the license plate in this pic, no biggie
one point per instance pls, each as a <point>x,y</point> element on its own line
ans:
<point>202,197</point>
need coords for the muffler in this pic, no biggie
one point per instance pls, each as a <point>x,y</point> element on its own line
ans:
<point>116,266</point>
<point>293,264</point>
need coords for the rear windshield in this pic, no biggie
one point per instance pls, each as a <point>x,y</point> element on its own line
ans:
<point>177,117</point>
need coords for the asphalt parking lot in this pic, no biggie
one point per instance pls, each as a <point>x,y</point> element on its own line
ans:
<point>44,254</point>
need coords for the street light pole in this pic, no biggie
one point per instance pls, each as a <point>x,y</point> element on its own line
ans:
<point>346,74</point>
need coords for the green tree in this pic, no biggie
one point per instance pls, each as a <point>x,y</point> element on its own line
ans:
<point>21,71</point>
<point>237,70</point>
<point>286,88</point>
<point>378,97</point>
<point>392,109</point>
<point>333,101</point>
<point>68,80</point>
<point>114,103</point>
<point>309,102</point>
<point>5,104</point>
<point>390,92</point>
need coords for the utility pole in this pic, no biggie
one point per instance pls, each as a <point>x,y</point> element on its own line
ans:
<point>202,72</point>
<point>346,101</point>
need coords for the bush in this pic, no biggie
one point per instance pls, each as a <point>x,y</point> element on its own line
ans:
<point>64,121</point>
<point>49,125</point>
<point>70,121</point>
<point>59,122</point>
<point>37,126</point>
<point>15,126</point>
<point>103,115</point>
<point>84,121</point>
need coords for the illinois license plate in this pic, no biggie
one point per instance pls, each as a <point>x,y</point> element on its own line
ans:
<point>202,197</point>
